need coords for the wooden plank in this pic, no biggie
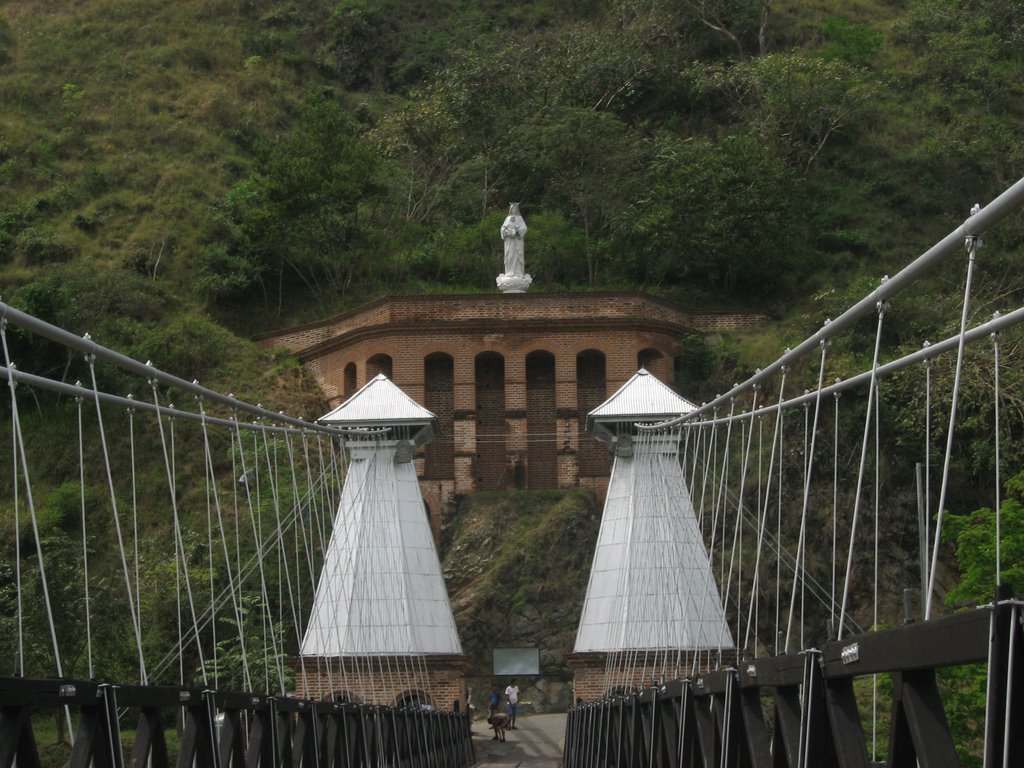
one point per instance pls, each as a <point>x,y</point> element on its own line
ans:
<point>772,671</point>
<point>920,733</point>
<point>844,720</point>
<point>17,740</point>
<point>755,732</point>
<point>787,727</point>
<point>962,638</point>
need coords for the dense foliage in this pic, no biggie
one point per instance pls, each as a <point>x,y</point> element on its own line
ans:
<point>256,154</point>
<point>169,171</point>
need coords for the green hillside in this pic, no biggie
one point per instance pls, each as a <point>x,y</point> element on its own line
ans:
<point>292,158</point>
<point>177,177</point>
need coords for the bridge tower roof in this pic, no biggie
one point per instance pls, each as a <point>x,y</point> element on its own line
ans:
<point>380,404</point>
<point>644,398</point>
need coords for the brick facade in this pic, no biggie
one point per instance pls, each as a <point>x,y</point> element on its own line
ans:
<point>436,680</point>
<point>511,377</point>
<point>591,679</point>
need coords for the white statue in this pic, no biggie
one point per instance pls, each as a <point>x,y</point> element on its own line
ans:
<point>513,230</point>
<point>514,279</point>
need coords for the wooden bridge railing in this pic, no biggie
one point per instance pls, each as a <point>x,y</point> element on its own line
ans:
<point>719,719</point>
<point>227,730</point>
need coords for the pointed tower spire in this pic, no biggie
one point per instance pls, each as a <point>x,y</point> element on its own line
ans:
<point>381,593</point>
<point>651,588</point>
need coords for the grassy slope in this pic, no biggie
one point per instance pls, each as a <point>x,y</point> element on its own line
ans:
<point>517,567</point>
<point>122,121</point>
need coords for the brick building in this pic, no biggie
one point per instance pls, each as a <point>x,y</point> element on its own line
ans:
<point>511,377</point>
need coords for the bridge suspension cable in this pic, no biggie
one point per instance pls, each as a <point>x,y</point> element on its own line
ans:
<point>287,521</point>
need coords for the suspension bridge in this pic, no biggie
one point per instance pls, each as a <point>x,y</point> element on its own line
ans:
<point>764,647</point>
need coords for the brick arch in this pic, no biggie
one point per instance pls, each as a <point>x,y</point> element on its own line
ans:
<point>379,363</point>
<point>541,421</point>
<point>413,697</point>
<point>444,345</point>
<point>544,346</point>
<point>591,391</point>
<point>491,426</point>
<point>439,398</point>
<point>654,361</point>
<point>349,380</point>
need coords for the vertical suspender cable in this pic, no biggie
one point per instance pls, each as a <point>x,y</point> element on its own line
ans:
<point>995,386</point>
<point>778,524</point>
<point>136,624</point>
<point>233,589</point>
<point>19,662</point>
<point>210,481</point>
<point>177,602</point>
<point>835,510</point>
<point>19,439</point>
<point>926,554</point>
<point>170,469</point>
<point>300,531</point>
<point>720,500</point>
<point>739,515</point>
<point>762,521</point>
<point>85,546</point>
<point>860,472</point>
<point>143,677</point>
<point>236,480</point>
<point>308,543</point>
<point>763,515</point>
<point>973,243</point>
<point>799,569</point>
<point>742,519</point>
<point>292,602</point>
<point>802,545</point>
<point>874,615</point>
<point>256,524</point>
<point>275,501</point>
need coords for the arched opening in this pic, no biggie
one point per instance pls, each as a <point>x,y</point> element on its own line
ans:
<point>653,361</point>
<point>439,394</point>
<point>414,699</point>
<point>591,391</point>
<point>541,425</point>
<point>489,369</point>
<point>349,385</point>
<point>378,364</point>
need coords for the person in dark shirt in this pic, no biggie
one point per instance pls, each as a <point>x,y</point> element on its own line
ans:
<point>493,701</point>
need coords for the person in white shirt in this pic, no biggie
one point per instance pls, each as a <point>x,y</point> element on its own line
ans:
<point>512,696</point>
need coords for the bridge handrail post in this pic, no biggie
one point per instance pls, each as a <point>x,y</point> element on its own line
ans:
<point>1004,708</point>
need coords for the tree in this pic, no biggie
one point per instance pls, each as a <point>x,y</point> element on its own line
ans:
<point>299,212</point>
<point>975,536</point>
<point>735,20</point>
<point>724,216</point>
<point>796,103</point>
<point>583,152</point>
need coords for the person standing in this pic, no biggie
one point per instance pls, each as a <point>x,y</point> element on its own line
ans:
<point>493,701</point>
<point>512,696</point>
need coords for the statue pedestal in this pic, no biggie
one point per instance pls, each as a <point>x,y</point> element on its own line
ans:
<point>513,283</point>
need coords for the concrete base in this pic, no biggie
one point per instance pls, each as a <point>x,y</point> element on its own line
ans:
<point>514,283</point>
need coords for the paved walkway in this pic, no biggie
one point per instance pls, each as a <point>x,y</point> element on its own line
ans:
<point>536,742</point>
